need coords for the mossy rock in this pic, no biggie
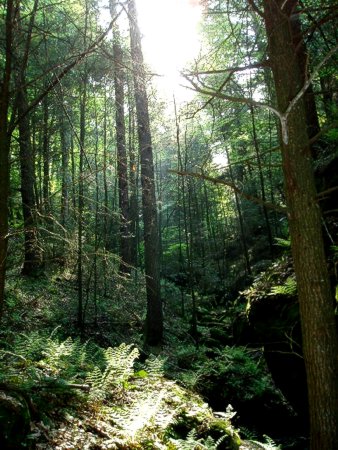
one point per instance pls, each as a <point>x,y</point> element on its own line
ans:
<point>222,429</point>
<point>14,421</point>
<point>182,425</point>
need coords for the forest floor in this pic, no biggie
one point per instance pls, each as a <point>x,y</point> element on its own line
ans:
<point>98,391</point>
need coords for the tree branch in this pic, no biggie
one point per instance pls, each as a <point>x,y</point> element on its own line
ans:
<point>207,90</point>
<point>251,198</point>
<point>64,72</point>
<point>255,8</point>
<point>258,65</point>
<point>309,81</point>
<point>283,117</point>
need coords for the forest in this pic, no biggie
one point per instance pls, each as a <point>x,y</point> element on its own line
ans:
<point>168,263</point>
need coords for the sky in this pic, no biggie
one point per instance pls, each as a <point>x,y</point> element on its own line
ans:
<point>170,40</point>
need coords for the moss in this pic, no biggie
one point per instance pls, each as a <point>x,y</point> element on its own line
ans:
<point>219,428</point>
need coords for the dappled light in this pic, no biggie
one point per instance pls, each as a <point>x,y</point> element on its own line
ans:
<point>168,225</point>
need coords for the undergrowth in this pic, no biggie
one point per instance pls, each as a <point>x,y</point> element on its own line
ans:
<point>83,396</point>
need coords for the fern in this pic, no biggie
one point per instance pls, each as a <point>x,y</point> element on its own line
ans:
<point>288,288</point>
<point>30,346</point>
<point>120,361</point>
<point>284,243</point>
<point>246,433</point>
<point>119,367</point>
<point>65,359</point>
<point>192,442</point>
<point>145,412</point>
<point>269,444</point>
<point>154,366</point>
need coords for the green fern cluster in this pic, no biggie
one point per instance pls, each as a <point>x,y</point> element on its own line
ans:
<point>288,288</point>
<point>119,367</point>
<point>65,359</point>
<point>154,367</point>
<point>193,442</point>
<point>269,444</point>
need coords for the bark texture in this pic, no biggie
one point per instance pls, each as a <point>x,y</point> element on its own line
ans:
<point>316,301</point>
<point>4,148</point>
<point>154,320</point>
<point>122,164</point>
<point>32,254</point>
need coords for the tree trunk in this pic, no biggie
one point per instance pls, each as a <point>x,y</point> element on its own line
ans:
<point>238,208</point>
<point>46,160</point>
<point>154,320</point>
<point>83,100</point>
<point>316,301</point>
<point>303,62</point>
<point>32,254</point>
<point>261,179</point>
<point>133,183</point>
<point>4,149</point>
<point>65,146</point>
<point>122,165</point>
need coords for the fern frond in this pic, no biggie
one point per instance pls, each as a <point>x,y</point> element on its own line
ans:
<point>154,366</point>
<point>284,243</point>
<point>269,443</point>
<point>288,288</point>
<point>119,367</point>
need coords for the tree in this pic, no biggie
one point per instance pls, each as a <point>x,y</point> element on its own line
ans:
<point>320,345</point>
<point>5,139</point>
<point>7,105</point>
<point>154,320</point>
<point>316,301</point>
<point>122,167</point>
<point>32,254</point>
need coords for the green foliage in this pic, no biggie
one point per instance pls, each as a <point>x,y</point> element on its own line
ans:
<point>119,367</point>
<point>193,442</point>
<point>219,434</point>
<point>279,278</point>
<point>134,410</point>
<point>269,444</point>
<point>283,243</point>
<point>154,366</point>
<point>288,288</point>
<point>239,376</point>
<point>234,375</point>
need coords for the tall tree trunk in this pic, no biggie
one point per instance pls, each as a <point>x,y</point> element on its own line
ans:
<point>65,147</point>
<point>105,189</point>
<point>32,254</point>
<point>311,115</point>
<point>5,140</point>
<point>46,159</point>
<point>180,205</point>
<point>122,165</point>
<point>316,301</point>
<point>83,108</point>
<point>80,311</point>
<point>133,183</point>
<point>261,178</point>
<point>154,320</point>
<point>238,206</point>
